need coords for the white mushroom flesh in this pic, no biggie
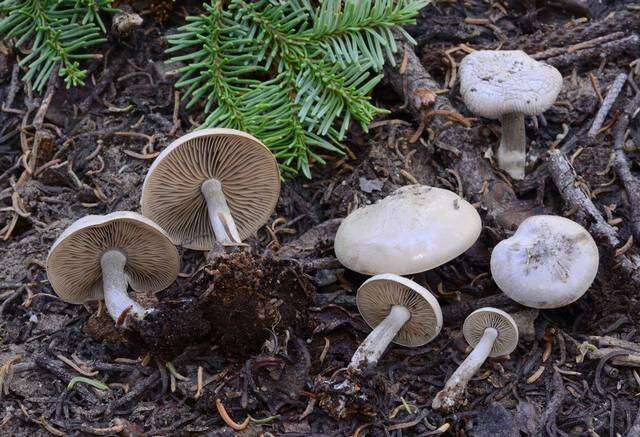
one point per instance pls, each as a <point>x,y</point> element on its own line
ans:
<point>372,348</point>
<point>114,286</point>
<point>222,223</point>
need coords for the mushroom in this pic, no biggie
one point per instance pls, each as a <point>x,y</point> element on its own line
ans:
<point>492,333</point>
<point>549,262</point>
<point>414,229</point>
<point>211,185</point>
<point>508,85</point>
<point>97,256</point>
<point>398,310</point>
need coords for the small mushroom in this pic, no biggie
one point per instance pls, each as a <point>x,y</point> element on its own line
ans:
<point>508,85</point>
<point>414,229</point>
<point>398,310</point>
<point>549,262</point>
<point>492,333</point>
<point>211,185</point>
<point>97,256</point>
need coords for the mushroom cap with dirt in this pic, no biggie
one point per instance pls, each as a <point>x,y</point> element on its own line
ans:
<point>549,262</point>
<point>211,185</point>
<point>507,85</point>
<point>98,255</point>
<point>414,229</point>
<point>400,311</point>
<point>492,333</point>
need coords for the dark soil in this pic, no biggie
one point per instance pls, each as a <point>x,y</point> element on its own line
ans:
<point>263,326</point>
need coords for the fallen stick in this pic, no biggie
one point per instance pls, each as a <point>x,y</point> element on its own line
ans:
<point>628,46</point>
<point>608,102</point>
<point>587,214</point>
<point>622,166</point>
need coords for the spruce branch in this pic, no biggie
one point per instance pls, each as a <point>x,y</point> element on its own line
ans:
<point>291,73</point>
<point>55,34</point>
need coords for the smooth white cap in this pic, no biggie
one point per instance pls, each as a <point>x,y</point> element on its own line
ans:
<point>414,229</point>
<point>497,82</point>
<point>549,262</point>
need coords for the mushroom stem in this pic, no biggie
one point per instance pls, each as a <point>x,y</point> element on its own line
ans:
<point>114,285</point>
<point>372,348</point>
<point>222,223</point>
<point>512,150</point>
<point>455,386</point>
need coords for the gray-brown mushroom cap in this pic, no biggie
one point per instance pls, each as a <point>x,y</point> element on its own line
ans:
<point>497,82</point>
<point>378,294</point>
<point>73,263</point>
<point>246,169</point>
<point>479,320</point>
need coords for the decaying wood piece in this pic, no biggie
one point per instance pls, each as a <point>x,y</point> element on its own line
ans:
<point>587,214</point>
<point>629,46</point>
<point>622,166</point>
<point>608,102</point>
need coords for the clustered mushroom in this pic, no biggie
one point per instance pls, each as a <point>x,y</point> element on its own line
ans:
<point>492,333</point>
<point>409,231</point>
<point>221,185</point>
<point>210,185</point>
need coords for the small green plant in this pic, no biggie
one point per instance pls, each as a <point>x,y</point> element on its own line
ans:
<point>54,34</point>
<point>291,73</point>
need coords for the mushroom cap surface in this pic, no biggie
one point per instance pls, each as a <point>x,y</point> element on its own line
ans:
<point>414,229</point>
<point>483,318</point>
<point>497,82</point>
<point>246,168</point>
<point>379,293</point>
<point>73,263</point>
<point>549,262</point>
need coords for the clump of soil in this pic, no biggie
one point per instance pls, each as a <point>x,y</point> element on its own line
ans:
<point>350,393</point>
<point>235,302</point>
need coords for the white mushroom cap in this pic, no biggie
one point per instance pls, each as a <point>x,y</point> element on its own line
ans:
<point>246,169</point>
<point>73,263</point>
<point>483,318</point>
<point>494,82</point>
<point>549,262</point>
<point>414,229</point>
<point>379,293</point>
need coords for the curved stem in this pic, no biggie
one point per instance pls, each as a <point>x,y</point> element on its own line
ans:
<point>372,348</point>
<point>114,286</point>
<point>222,223</point>
<point>512,153</point>
<point>452,393</point>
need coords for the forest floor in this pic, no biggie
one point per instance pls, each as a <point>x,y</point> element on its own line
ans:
<point>573,371</point>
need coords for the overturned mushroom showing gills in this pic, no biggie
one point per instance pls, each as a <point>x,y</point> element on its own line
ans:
<point>508,85</point>
<point>211,185</point>
<point>549,262</point>
<point>98,256</point>
<point>492,333</point>
<point>414,229</point>
<point>399,311</point>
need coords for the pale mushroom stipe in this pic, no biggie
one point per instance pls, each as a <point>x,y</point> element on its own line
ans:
<point>409,231</point>
<point>211,185</point>
<point>399,311</point>
<point>99,256</point>
<point>549,262</point>
<point>492,333</point>
<point>507,85</point>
